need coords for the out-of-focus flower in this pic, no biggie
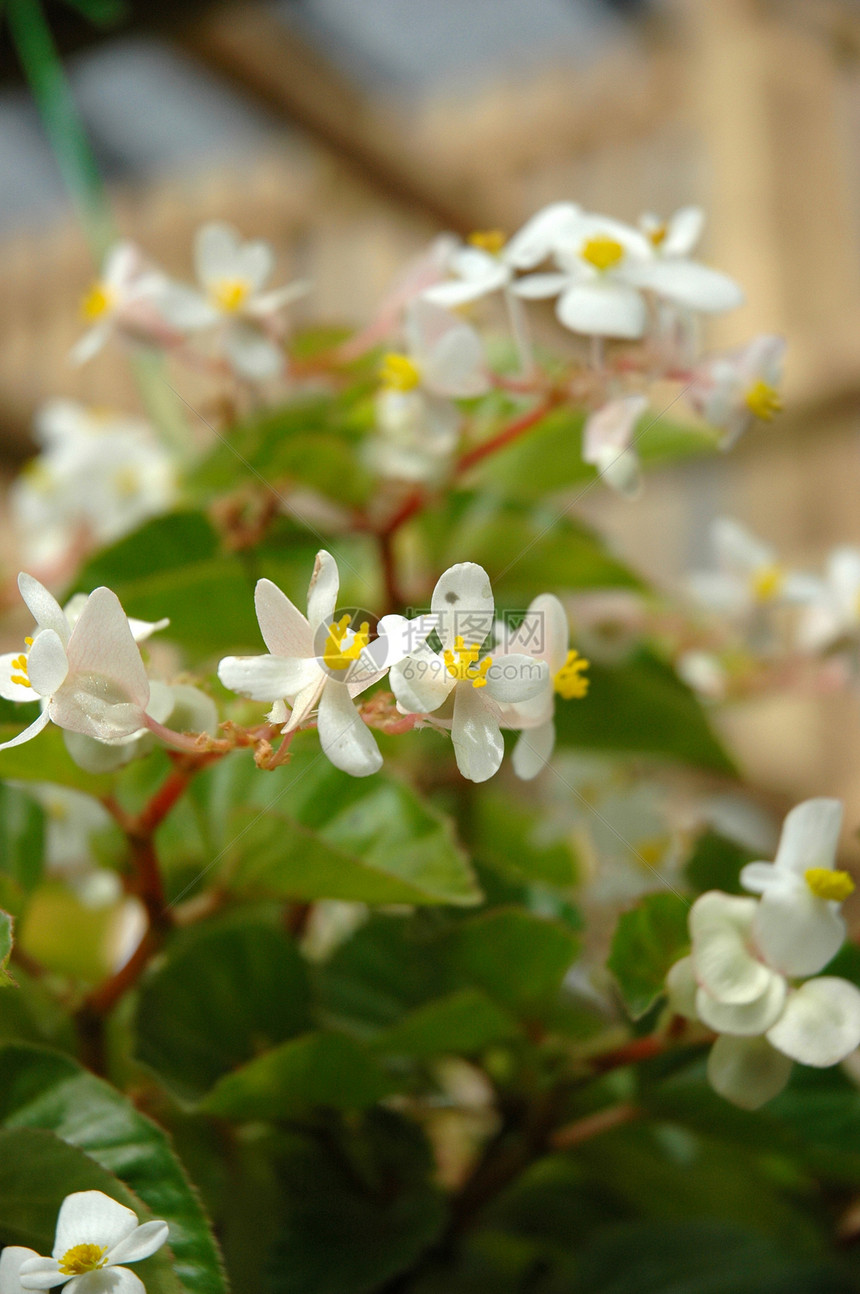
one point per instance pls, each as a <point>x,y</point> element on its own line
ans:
<point>607,443</point>
<point>704,673</point>
<point>748,575</point>
<point>677,236</point>
<point>232,274</point>
<point>99,476</point>
<point>121,300</point>
<point>835,612</point>
<point>739,387</point>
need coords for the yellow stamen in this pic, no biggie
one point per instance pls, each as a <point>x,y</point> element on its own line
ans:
<point>126,482</point>
<point>462,663</point>
<point>19,667</point>
<point>399,373</point>
<point>657,235</point>
<point>230,294</point>
<point>97,301</point>
<point>83,1258</point>
<point>569,682</point>
<point>29,642</point>
<point>763,401</point>
<point>767,583</point>
<point>651,852</point>
<point>489,240</point>
<point>335,655</point>
<point>826,884</point>
<point>602,251</point>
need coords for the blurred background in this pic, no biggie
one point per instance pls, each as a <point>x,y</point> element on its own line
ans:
<point>348,132</point>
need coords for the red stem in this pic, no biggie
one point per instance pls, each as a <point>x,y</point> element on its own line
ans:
<point>510,433</point>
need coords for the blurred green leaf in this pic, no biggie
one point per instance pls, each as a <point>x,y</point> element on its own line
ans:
<point>518,959</point>
<point>507,835</point>
<point>356,1214</point>
<point>42,1089</point>
<point>45,759</point>
<point>328,835</point>
<point>34,1014</point>
<point>5,949</point>
<point>463,1023</point>
<point>641,706</point>
<point>317,1070</point>
<point>22,837</point>
<point>223,993</point>
<point>715,864</point>
<point>648,940</point>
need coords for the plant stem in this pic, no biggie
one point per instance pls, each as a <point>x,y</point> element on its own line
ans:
<point>508,434</point>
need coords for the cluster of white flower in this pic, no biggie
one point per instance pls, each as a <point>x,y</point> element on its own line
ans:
<point>746,975</point>
<point>95,1236</point>
<point>320,662</point>
<point>750,589</point>
<point>138,302</point>
<point>99,475</point>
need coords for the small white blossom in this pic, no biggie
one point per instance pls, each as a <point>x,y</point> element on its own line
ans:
<point>676,237</point>
<point>607,443</point>
<point>748,576</point>
<point>95,1236</point>
<point>834,613</point>
<point>733,390</point>
<point>478,688</point>
<point>232,274</point>
<point>121,300</point>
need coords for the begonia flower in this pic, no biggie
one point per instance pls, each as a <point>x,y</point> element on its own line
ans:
<point>121,300</point>
<point>733,390</point>
<point>834,612</point>
<point>677,236</point>
<point>95,1236</point>
<point>748,575</point>
<point>462,601</point>
<point>607,443</point>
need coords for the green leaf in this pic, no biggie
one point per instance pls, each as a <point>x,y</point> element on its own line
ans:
<point>507,835</point>
<point>223,993</point>
<point>328,835</point>
<point>42,1089</point>
<point>317,1070</point>
<point>641,706</point>
<point>648,940</point>
<point>37,1171</point>
<point>462,1023</point>
<point>22,827</point>
<point>5,949</point>
<point>355,1215</point>
<point>518,959</point>
<point>45,759</point>
<point>716,862</point>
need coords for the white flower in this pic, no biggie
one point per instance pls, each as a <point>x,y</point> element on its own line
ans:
<point>607,443</point>
<point>704,673</point>
<point>485,263</point>
<point>835,612</point>
<point>798,925</point>
<point>90,678</point>
<point>232,274</point>
<point>677,236</point>
<point>733,390</point>
<point>463,604</point>
<point>121,299</point>
<point>316,661</point>
<point>95,1235</point>
<point>11,1259</point>
<point>544,636</point>
<point>98,476</point>
<point>764,1023</point>
<point>604,267</point>
<point>417,422</point>
<point>748,575</point>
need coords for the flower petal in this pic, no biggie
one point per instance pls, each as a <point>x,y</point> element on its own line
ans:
<point>684,232</point>
<point>810,836</point>
<point>252,354</point>
<point>91,343</point>
<point>421,683</point>
<point>514,677</point>
<point>14,691</point>
<point>102,644</point>
<point>688,284</point>
<point>29,733</point>
<point>720,927</point>
<point>541,234</point>
<point>43,607</point>
<point>10,1266</point>
<point>344,736</point>
<point>184,308</point>
<point>533,750</point>
<point>304,703</point>
<point>535,287</point>
<point>40,1274</point>
<point>747,1071</point>
<point>475,732</point>
<point>47,663</point>
<point>463,601</point>
<point>142,1242</point>
<point>820,1024</point>
<point>92,1218</point>
<point>747,1019</point>
<point>682,988</point>
<point>216,246</point>
<point>323,589</point>
<point>267,678</point>
<point>285,630</point>
<point>603,309</point>
<point>797,932</point>
<point>109,1280</point>
<point>543,632</point>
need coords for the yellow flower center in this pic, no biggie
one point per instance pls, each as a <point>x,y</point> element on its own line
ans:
<point>652,851</point>
<point>97,302</point>
<point>826,884</point>
<point>399,373</point>
<point>335,655</point>
<point>230,294</point>
<point>19,664</point>
<point>126,482</point>
<point>488,240</point>
<point>763,401</point>
<point>767,583</point>
<point>569,682</point>
<point>462,663</point>
<point>602,251</point>
<point>657,235</point>
<point>83,1258</point>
